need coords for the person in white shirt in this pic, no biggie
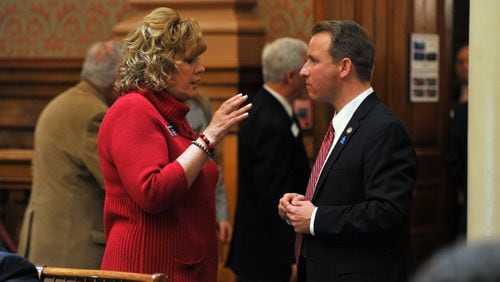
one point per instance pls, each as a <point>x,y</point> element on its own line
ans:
<point>353,222</point>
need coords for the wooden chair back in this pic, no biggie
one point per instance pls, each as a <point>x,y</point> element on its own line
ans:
<point>48,273</point>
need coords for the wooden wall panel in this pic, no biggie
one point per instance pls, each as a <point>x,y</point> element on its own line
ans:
<point>379,34</point>
<point>15,172</point>
<point>429,124</point>
<point>16,137</point>
<point>397,52</point>
<point>425,120</point>
<point>26,86</point>
<point>424,15</point>
<point>20,112</point>
<point>364,12</point>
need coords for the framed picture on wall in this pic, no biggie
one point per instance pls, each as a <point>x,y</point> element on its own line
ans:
<point>424,67</point>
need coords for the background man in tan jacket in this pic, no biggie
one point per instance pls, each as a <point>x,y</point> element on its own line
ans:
<point>63,221</point>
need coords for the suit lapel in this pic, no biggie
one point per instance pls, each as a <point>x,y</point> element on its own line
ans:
<point>348,133</point>
<point>278,110</point>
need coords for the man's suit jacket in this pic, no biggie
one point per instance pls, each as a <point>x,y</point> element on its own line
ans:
<point>63,220</point>
<point>363,195</point>
<point>271,162</point>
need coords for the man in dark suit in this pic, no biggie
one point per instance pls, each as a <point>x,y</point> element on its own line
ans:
<point>353,223</point>
<point>456,146</point>
<point>272,161</point>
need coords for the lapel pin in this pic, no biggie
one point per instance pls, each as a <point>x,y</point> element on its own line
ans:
<point>348,130</point>
<point>342,139</point>
<point>171,129</point>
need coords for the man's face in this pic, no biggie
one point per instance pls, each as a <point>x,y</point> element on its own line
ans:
<point>321,73</point>
<point>462,65</point>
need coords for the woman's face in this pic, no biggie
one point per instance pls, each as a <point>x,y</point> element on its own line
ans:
<point>184,83</point>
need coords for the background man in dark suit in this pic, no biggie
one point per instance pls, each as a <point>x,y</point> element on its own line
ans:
<point>272,161</point>
<point>456,146</point>
<point>353,223</point>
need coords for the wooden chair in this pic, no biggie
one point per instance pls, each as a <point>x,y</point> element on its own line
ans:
<point>73,274</point>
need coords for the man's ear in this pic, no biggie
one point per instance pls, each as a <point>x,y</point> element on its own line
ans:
<point>345,67</point>
<point>289,76</point>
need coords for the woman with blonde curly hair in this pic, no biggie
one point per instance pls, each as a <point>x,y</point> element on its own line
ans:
<point>159,211</point>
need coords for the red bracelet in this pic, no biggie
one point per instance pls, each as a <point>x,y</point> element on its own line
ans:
<point>210,146</point>
<point>205,139</point>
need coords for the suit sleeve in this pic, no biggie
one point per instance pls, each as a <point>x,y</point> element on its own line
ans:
<point>222,213</point>
<point>271,175</point>
<point>16,268</point>
<point>271,156</point>
<point>389,171</point>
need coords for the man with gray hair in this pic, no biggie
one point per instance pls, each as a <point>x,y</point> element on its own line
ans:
<point>272,161</point>
<point>63,221</point>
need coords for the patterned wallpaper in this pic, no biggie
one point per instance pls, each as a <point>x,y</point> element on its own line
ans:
<point>287,18</point>
<point>56,28</point>
<point>65,28</point>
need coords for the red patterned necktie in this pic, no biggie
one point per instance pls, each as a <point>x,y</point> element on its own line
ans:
<point>311,185</point>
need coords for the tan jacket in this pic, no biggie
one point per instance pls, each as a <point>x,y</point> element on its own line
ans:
<point>63,221</point>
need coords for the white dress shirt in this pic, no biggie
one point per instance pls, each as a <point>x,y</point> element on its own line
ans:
<point>340,121</point>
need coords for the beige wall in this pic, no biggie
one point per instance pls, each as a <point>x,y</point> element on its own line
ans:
<point>484,128</point>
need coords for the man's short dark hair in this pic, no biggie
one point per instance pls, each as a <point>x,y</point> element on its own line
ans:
<point>350,40</point>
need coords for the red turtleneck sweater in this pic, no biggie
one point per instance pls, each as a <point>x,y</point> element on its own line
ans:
<point>153,221</point>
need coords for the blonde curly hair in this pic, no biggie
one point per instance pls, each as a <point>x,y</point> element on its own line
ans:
<point>151,49</point>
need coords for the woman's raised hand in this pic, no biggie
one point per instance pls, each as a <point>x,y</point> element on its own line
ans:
<point>230,113</point>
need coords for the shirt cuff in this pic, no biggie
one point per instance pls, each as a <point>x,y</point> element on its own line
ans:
<point>311,223</point>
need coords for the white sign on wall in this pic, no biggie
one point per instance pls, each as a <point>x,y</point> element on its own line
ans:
<point>424,68</point>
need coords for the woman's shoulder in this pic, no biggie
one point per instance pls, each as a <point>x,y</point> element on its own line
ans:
<point>131,106</point>
<point>131,101</point>
<point>132,98</point>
